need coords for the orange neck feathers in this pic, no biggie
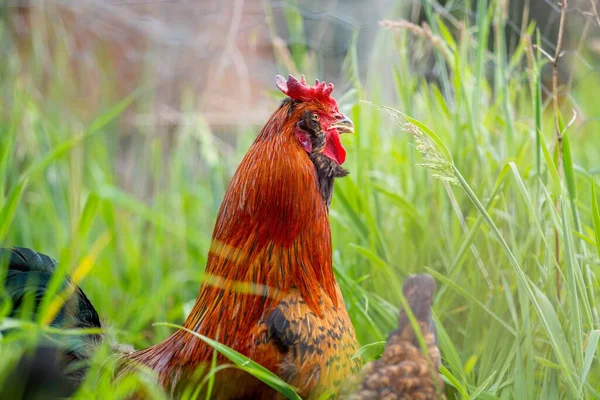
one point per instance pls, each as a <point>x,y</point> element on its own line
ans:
<point>273,227</point>
<point>272,230</point>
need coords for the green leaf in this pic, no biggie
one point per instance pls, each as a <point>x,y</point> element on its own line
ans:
<point>452,381</point>
<point>596,217</point>
<point>448,349</point>
<point>445,33</point>
<point>7,212</point>
<point>556,186</point>
<point>557,337</point>
<point>244,363</point>
<point>568,167</point>
<point>366,347</point>
<point>538,116</point>
<point>590,353</point>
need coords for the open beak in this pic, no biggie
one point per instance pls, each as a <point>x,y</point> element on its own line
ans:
<point>344,125</point>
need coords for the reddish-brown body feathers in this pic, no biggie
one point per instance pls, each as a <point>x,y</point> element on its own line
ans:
<point>271,248</point>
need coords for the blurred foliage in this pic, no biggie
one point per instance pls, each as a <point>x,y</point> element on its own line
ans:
<point>489,239</point>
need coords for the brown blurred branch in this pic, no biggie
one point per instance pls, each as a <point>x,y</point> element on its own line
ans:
<point>559,133</point>
<point>595,11</point>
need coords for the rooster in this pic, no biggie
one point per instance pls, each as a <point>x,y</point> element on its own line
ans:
<point>269,291</point>
<point>403,371</point>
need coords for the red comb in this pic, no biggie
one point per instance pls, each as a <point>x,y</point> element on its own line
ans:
<point>299,90</point>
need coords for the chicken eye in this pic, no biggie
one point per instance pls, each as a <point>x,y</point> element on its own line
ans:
<point>315,117</point>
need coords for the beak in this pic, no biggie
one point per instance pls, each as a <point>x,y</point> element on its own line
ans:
<point>344,125</point>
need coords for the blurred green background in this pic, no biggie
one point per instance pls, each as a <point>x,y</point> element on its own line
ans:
<point>121,124</point>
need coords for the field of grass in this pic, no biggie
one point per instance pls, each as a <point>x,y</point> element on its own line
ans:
<point>458,178</point>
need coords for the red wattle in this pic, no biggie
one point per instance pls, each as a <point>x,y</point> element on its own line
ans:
<point>333,147</point>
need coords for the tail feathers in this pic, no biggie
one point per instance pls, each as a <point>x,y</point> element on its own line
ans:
<point>27,260</point>
<point>28,275</point>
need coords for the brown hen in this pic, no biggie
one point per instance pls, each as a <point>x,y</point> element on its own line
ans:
<point>403,371</point>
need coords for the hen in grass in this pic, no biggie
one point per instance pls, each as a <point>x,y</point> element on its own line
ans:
<point>403,371</point>
<point>269,291</point>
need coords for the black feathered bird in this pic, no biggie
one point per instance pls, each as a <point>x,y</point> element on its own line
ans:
<point>55,368</point>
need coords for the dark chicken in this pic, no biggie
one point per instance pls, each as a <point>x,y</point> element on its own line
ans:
<point>55,369</point>
<point>269,291</point>
<point>27,278</point>
<point>403,372</point>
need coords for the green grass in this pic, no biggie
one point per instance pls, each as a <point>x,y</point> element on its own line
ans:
<point>485,230</point>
